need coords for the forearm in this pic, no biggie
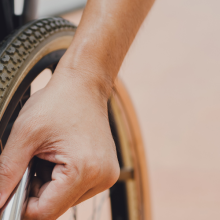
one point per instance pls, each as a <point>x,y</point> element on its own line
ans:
<point>104,35</point>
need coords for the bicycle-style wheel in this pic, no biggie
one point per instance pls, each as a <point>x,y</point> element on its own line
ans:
<point>40,45</point>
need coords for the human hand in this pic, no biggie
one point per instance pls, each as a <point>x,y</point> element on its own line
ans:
<point>65,123</point>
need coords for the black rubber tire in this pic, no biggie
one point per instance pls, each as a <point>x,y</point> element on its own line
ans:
<point>19,49</point>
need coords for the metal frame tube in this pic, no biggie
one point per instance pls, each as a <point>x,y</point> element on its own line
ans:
<point>30,11</point>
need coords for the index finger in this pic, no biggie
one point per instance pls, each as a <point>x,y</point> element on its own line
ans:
<point>56,196</point>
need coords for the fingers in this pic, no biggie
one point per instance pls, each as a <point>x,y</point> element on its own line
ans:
<point>92,192</point>
<point>56,196</point>
<point>44,170</point>
<point>36,185</point>
<point>89,194</point>
<point>66,189</point>
<point>14,161</point>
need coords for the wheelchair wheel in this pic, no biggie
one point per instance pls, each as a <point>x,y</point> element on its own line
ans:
<point>39,45</point>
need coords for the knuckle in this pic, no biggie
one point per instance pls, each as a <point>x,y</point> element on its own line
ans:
<point>101,168</point>
<point>111,169</point>
<point>112,174</point>
<point>93,168</point>
<point>73,171</point>
<point>70,172</point>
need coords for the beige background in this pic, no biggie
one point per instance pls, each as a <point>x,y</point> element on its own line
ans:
<point>172,73</point>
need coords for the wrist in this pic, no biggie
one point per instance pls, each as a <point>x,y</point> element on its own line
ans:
<point>88,67</point>
<point>88,83</point>
<point>96,52</point>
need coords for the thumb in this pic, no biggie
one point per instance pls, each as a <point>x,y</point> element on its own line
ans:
<point>14,161</point>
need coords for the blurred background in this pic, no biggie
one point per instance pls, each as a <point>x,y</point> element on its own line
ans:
<point>172,72</point>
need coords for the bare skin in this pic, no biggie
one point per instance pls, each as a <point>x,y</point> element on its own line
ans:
<point>66,123</point>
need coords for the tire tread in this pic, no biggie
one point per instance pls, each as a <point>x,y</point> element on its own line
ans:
<point>14,55</point>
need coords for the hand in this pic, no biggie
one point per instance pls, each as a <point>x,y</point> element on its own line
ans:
<point>65,123</point>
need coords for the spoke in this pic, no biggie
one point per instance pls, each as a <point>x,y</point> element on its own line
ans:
<point>1,145</point>
<point>126,174</point>
<point>94,208</point>
<point>97,209</point>
<point>21,104</point>
<point>104,198</point>
<point>52,67</point>
<point>75,213</point>
<point>25,97</point>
